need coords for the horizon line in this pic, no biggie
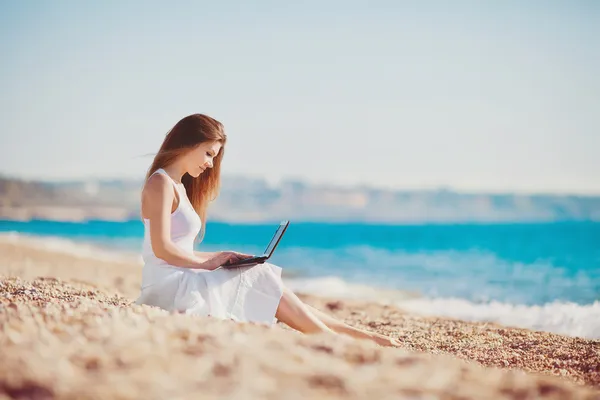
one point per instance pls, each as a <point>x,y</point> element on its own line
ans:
<point>280,182</point>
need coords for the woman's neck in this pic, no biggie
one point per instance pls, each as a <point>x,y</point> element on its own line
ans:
<point>175,172</point>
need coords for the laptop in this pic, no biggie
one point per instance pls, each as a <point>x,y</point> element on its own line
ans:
<point>268,251</point>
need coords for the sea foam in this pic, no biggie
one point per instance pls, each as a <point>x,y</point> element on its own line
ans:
<point>564,318</point>
<point>71,247</point>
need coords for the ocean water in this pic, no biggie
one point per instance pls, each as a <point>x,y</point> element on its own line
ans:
<point>540,276</point>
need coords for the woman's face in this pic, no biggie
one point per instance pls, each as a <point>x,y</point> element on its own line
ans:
<point>201,158</point>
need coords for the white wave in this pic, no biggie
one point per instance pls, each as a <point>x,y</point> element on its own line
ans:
<point>564,318</point>
<point>71,247</point>
<point>333,286</point>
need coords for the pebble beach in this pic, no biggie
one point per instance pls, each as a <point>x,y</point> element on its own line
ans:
<point>69,331</point>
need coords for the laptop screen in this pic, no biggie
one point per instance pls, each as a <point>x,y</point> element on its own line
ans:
<point>274,240</point>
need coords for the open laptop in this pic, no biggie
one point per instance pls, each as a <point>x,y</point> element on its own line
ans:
<point>268,251</point>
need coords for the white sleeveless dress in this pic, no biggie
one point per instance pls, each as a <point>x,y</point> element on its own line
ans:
<point>244,294</point>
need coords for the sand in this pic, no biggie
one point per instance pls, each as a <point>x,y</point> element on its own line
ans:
<point>68,330</point>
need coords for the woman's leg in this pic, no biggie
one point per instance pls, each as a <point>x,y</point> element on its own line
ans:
<point>340,327</point>
<point>307,319</point>
<point>294,313</point>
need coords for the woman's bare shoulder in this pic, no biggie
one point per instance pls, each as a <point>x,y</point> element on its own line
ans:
<point>156,195</point>
<point>157,185</point>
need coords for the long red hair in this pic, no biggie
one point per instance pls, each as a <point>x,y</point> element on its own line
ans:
<point>188,133</point>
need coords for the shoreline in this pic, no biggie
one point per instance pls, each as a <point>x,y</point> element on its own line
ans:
<point>450,350</point>
<point>560,316</point>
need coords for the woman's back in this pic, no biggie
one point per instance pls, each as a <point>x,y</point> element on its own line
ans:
<point>185,225</point>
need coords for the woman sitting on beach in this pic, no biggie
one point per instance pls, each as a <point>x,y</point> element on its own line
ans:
<point>183,179</point>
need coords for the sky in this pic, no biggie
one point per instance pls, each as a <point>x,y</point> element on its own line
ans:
<point>472,95</point>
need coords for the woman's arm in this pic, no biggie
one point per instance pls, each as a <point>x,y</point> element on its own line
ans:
<point>157,201</point>
<point>206,255</point>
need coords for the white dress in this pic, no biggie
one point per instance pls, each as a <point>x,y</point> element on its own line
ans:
<point>244,294</point>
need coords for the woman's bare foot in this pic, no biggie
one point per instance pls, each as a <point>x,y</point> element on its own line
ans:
<point>385,341</point>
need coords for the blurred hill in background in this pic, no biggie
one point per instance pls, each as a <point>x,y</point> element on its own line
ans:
<point>254,200</point>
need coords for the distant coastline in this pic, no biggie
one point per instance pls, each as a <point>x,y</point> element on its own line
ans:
<point>81,215</point>
<point>249,200</point>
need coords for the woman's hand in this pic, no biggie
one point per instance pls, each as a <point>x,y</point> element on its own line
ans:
<point>224,257</point>
<point>241,256</point>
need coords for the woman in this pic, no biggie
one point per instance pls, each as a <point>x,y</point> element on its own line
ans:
<point>182,180</point>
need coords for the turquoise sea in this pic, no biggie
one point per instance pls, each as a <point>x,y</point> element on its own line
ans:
<point>543,276</point>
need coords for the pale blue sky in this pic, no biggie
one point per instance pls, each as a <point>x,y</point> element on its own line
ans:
<point>475,95</point>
